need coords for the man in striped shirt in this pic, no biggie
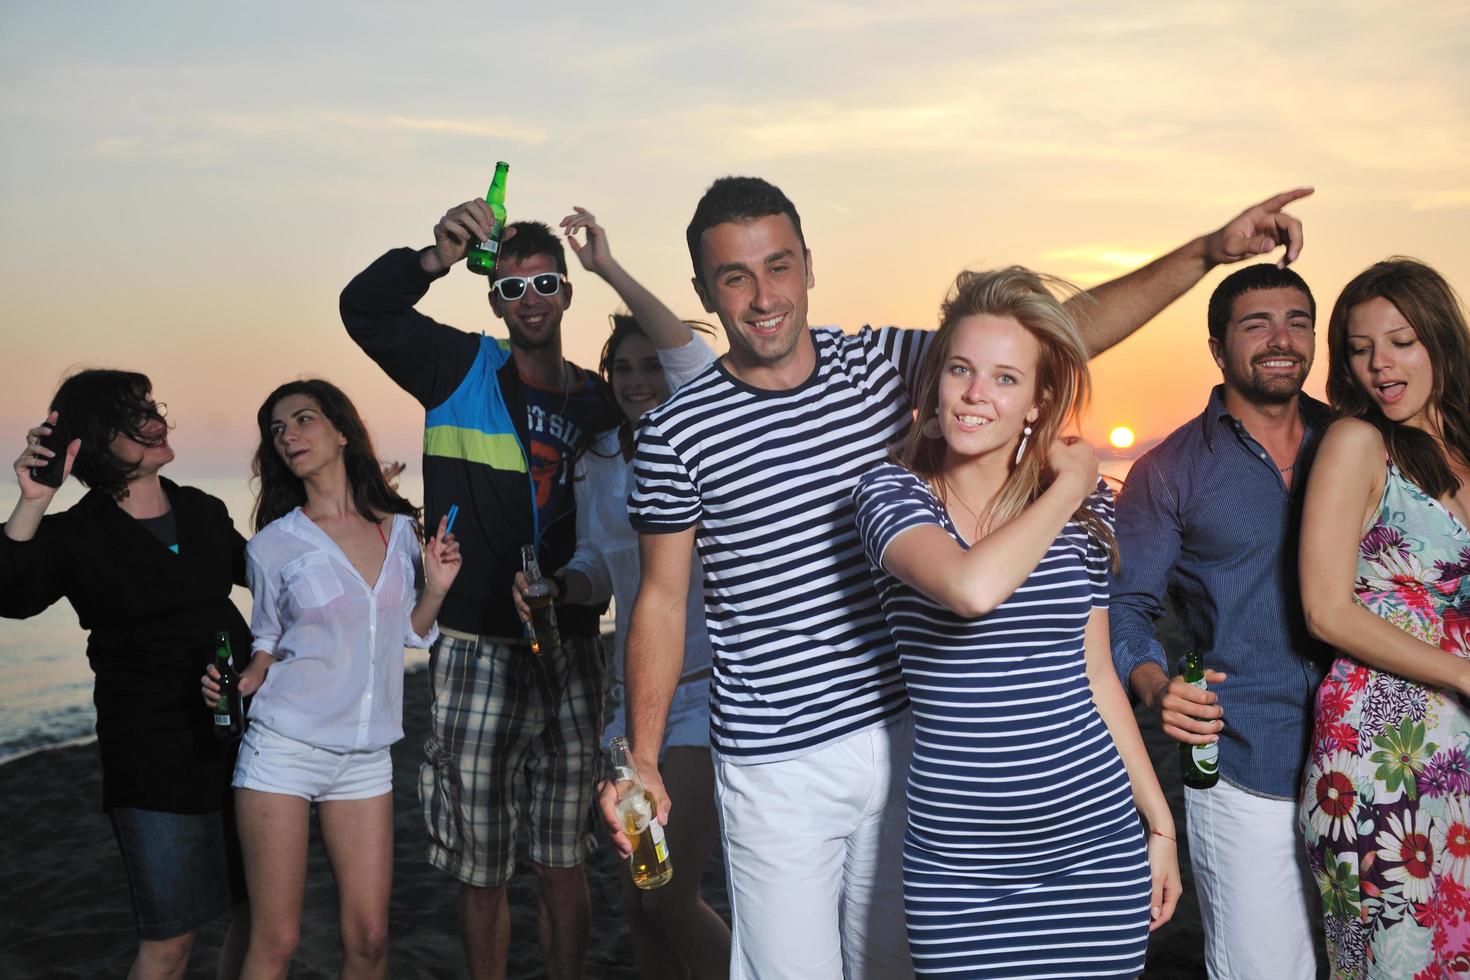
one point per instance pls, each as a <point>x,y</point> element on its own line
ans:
<point>754,462</point>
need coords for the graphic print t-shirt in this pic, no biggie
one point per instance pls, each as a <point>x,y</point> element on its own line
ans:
<point>555,421</point>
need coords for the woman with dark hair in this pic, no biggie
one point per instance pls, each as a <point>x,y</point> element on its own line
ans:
<point>1385,554</point>
<point>675,932</point>
<point>340,586</point>
<point>991,545</point>
<point>148,565</point>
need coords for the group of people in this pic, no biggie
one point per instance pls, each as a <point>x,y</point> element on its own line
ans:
<point>878,621</point>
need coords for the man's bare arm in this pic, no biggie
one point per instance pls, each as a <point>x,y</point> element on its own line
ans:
<point>1110,312</point>
<point>654,660</point>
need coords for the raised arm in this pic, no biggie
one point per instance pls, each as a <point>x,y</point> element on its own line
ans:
<point>33,574</point>
<point>972,582</point>
<point>660,325</point>
<point>1110,312</point>
<point>1342,493</point>
<point>440,563</point>
<point>426,358</point>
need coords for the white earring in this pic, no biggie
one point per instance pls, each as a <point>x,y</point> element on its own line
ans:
<point>1025,434</point>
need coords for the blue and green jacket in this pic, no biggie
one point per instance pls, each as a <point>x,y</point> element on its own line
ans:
<point>475,442</point>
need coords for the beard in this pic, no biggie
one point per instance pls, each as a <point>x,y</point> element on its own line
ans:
<point>1271,388</point>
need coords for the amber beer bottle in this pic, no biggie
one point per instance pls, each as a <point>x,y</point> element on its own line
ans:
<point>650,858</point>
<point>1199,764</point>
<point>482,257</point>
<point>229,715</point>
<point>542,628</point>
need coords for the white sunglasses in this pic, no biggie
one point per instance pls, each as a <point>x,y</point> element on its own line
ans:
<point>512,288</point>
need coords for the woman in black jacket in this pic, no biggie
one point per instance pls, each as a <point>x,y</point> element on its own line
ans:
<point>148,566</point>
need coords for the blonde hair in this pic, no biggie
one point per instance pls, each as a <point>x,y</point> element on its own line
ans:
<point>1063,385</point>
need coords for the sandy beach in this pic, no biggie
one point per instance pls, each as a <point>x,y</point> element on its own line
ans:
<point>64,900</point>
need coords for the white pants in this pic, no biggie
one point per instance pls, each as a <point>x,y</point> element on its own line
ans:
<point>814,860</point>
<point>1256,893</point>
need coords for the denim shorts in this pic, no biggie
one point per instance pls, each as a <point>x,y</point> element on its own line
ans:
<point>270,762</point>
<point>183,868</point>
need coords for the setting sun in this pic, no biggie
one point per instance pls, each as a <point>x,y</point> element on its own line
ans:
<point>1121,437</point>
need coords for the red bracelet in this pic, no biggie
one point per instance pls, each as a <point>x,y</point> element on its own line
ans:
<point>1160,833</point>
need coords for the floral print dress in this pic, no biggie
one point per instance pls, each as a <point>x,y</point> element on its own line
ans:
<point>1386,795</point>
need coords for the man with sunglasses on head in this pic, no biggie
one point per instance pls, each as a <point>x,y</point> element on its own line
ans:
<point>503,419</point>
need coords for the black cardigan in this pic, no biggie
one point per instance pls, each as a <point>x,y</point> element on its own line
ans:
<point>152,618</point>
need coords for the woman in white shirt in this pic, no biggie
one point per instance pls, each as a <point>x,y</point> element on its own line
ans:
<point>340,588</point>
<point>649,354</point>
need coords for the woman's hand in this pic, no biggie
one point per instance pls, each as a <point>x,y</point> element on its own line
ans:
<point>209,684</point>
<point>1163,865</point>
<point>1072,459</point>
<point>594,253</point>
<point>441,560</point>
<point>37,455</point>
<point>518,591</point>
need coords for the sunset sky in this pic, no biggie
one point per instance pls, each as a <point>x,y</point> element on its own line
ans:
<point>185,187</point>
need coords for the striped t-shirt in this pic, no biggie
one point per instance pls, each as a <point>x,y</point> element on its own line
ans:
<point>802,656</point>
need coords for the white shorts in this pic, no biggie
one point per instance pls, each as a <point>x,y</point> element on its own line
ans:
<point>274,763</point>
<point>688,722</point>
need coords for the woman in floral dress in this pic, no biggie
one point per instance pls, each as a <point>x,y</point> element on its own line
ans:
<point>1384,561</point>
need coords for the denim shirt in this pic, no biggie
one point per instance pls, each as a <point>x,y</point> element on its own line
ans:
<point>1206,517</point>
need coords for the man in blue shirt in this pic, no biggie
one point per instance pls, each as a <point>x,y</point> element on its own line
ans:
<point>1210,517</point>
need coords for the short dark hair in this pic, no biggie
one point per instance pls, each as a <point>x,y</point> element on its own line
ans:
<point>96,405</point>
<point>534,238</point>
<point>1264,275</point>
<point>736,199</point>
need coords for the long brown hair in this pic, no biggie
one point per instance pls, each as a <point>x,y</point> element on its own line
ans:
<point>624,325</point>
<point>1063,386</point>
<point>281,490</point>
<point>1436,313</point>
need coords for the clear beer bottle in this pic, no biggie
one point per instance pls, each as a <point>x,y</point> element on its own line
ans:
<point>542,629</point>
<point>649,861</point>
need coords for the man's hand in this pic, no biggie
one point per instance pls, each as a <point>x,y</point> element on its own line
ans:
<point>1259,230</point>
<point>594,253</point>
<point>607,802</point>
<point>462,226</point>
<point>1189,715</point>
<point>518,589</point>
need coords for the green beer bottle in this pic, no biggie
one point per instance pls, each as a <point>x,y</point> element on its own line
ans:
<point>481,258</point>
<point>229,714</point>
<point>1199,765</point>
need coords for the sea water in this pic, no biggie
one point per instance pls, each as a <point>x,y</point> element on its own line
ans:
<point>45,682</point>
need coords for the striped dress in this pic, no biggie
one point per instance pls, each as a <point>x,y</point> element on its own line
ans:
<point>1024,855</point>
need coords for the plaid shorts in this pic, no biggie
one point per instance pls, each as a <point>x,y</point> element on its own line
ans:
<point>514,737</point>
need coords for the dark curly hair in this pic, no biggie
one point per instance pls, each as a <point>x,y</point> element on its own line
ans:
<point>281,491</point>
<point>98,405</point>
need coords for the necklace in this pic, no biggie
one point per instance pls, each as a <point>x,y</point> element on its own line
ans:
<point>968,509</point>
